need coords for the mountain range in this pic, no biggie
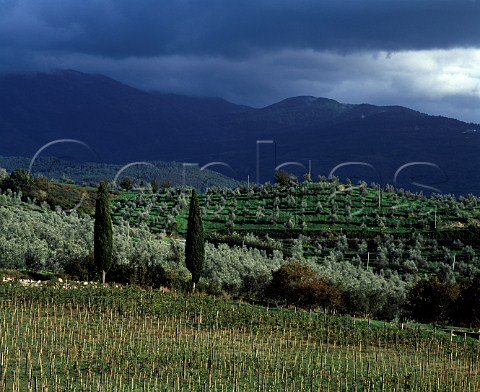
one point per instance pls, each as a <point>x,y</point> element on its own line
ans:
<point>122,124</point>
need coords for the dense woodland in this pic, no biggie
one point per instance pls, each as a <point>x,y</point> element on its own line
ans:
<point>352,249</point>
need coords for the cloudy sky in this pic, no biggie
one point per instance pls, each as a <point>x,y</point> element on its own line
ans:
<point>424,54</point>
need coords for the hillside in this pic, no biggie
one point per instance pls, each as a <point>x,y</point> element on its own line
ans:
<point>123,124</point>
<point>409,234</point>
<point>365,249</point>
<point>86,173</point>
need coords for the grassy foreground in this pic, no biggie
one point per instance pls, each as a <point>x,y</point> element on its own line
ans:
<point>125,339</point>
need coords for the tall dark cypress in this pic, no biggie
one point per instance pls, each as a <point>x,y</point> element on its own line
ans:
<point>195,241</point>
<point>103,232</point>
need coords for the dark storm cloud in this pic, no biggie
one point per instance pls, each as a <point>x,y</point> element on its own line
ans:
<point>418,53</point>
<point>124,28</point>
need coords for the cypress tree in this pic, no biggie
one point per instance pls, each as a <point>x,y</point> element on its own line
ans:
<point>195,242</point>
<point>103,232</point>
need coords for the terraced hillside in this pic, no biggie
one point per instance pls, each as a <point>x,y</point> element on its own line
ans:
<point>383,228</point>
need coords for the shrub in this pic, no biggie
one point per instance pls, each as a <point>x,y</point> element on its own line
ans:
<point>298,284</point>
<point>432,301</point>
<point>467,309</point>
<point>82,268</point>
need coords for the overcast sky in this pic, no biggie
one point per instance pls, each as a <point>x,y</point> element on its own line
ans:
<point>424,54</point>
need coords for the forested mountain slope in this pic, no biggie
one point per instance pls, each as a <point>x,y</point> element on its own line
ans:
<point>123,124</point>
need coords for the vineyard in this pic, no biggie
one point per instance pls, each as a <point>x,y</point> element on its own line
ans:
<point>125,339</point>
<point>345,254</point>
